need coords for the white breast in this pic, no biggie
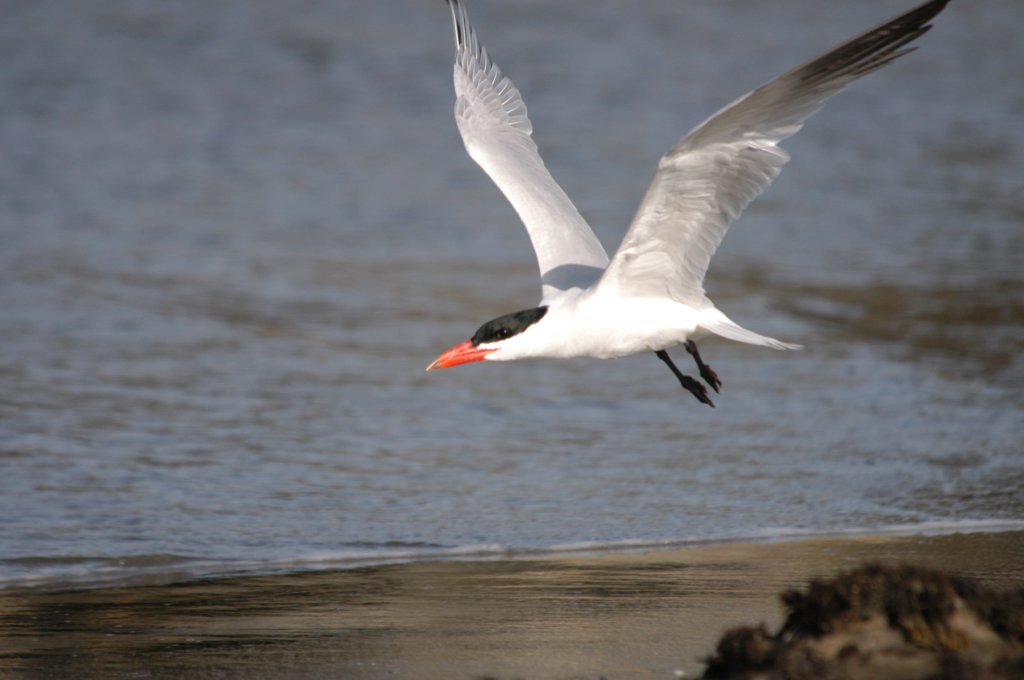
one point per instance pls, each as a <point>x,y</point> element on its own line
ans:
<point>606,327</point>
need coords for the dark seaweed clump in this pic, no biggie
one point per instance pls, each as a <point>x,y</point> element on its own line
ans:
<point>883,622</point>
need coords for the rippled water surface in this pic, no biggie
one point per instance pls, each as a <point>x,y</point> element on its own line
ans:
<point>235,233</point>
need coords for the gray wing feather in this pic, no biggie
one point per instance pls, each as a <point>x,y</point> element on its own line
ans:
<point>708,179</point>
<point>496,131</point>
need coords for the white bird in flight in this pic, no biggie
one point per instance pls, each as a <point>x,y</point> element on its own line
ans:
<point>650,296</point>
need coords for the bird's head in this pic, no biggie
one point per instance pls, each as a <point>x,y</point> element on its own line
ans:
<point>501,339</point>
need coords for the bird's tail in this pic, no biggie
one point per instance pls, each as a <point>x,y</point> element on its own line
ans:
<point>721,325</point>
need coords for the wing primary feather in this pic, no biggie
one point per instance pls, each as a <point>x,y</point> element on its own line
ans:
<point>456,28</point>
<point>872,49</point>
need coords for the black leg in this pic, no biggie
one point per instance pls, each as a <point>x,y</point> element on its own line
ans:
<point>710,377</point>
<point>688,383</point>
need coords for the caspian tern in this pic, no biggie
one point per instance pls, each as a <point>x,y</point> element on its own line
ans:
<point>650,296</point>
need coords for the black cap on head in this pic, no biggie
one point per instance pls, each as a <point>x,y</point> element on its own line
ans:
<point>506,326</point>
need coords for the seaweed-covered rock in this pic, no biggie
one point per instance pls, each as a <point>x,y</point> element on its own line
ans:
<point>883,623</point>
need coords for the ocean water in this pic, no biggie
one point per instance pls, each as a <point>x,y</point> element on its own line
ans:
<point>232,236</point>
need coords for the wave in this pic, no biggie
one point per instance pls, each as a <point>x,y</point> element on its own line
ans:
<point>82,572</point>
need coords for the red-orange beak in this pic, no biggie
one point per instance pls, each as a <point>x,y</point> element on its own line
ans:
<point>460,354</point>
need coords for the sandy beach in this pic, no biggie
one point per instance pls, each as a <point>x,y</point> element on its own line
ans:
<point>617,616</point>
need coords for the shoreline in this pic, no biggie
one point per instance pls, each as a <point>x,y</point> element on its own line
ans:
<point>625,614</point>
<point>160,570</point>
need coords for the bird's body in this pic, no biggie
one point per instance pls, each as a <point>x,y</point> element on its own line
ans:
<point>585,323</point>
<point>601,324</point>
<point>649,296</point>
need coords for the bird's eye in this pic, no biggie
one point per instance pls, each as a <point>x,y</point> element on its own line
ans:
<point>503,333</point>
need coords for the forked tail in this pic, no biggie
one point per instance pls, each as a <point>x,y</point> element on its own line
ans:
<point>721,325</point>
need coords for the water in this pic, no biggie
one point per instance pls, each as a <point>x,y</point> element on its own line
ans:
<point>234,235</point>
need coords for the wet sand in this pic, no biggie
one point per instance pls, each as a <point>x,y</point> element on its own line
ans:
<point>617,616</point>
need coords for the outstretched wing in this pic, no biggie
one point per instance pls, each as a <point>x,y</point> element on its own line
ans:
<point>708,179</point>
<point>492,119</point>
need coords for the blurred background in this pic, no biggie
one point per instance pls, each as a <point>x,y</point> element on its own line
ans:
<point>232,235</point>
